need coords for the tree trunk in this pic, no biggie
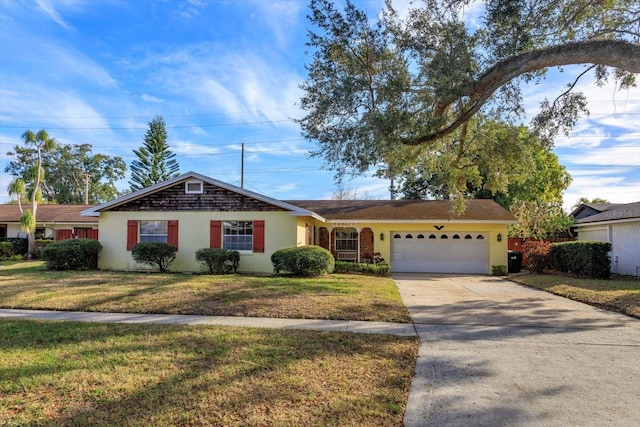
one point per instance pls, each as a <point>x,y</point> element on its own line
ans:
<point>613,53</point>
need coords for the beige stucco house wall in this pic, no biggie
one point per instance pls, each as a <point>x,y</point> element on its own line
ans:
<point>194,206</point>
<point>193,234</point>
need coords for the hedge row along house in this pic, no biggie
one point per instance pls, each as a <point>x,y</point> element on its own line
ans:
<point>616,223</point>
<point>193,211</point>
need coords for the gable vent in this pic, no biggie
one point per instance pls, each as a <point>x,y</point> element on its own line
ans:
<point>193,187</point>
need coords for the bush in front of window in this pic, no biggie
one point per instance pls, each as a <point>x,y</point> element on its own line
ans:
<point>73,254</point>
<point>218,261</point>
<point>157,255</point>
<point>20,244</point>
<point>303,261</point>
<point>6,250</point>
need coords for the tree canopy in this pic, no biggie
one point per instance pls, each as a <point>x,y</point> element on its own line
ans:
<point>67,168</point>
<point>494,161</point>
<point>419,78</point>
<point>155,163</point>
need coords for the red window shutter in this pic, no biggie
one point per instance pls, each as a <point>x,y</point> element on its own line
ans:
<point>306,234</point>
<point>132,234</point>
<point>172,233</point>
<point>258,236</point>
<point>62,234</point>
<point>215,234</point>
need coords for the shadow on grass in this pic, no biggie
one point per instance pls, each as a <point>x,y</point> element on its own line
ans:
<point>341,297</point>
<point>177,375</point>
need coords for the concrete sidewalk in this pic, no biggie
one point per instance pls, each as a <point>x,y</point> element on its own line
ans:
<point>402,329</point>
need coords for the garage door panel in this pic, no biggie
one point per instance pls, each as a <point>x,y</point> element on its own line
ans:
<point>468,253</point>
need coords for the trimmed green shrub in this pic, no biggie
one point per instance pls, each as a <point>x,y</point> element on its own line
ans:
<point>20,244</point>
<point>498,270</point>
<point>303,261</point>
<point>582,258</point>
<point>156,254</point>
<point>363,268</point>
<point>73,254</point>
<point>538,255</point>
<point>218,261</point>
<point>6,250</point>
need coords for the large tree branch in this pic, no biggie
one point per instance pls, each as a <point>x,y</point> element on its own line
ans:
<point>612,53</point>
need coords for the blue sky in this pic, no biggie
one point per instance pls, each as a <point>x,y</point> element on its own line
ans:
<point>222,73</point>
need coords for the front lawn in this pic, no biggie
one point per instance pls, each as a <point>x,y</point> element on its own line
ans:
<point>28,285</point>
<point>79,374</point>
<point>621,294</point>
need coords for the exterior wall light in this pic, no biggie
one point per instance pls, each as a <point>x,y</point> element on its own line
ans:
<point>381,236</point>
<point>499,237</point>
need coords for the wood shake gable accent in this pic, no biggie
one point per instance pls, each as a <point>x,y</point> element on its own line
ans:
<point>216,196</point>
<point>213,199</point>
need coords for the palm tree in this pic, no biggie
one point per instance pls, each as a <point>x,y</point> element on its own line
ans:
<point>17,187</point>
<point>43,143</point>
<point>584,200</point>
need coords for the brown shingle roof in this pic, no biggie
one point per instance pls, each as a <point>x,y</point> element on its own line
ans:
<point>408,210</point>
<point>48,213</point>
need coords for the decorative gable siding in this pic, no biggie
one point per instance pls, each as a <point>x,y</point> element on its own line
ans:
<point>213,199</point>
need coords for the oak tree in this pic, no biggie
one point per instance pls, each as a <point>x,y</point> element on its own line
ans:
<point>412,79</point>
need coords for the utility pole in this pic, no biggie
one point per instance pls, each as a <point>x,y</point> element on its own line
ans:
<point>242,168</point>
<point>87,178</point>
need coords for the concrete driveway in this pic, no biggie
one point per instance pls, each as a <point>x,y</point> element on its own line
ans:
<point>495,353</point>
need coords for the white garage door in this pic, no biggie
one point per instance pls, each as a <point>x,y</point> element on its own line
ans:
<point>439,252</point>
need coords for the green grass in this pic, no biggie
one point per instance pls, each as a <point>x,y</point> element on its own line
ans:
<point>78,374</point>
<point>29,285</point>
<point>621,294</point>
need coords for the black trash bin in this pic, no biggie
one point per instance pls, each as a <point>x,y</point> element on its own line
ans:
<point>515,261</point>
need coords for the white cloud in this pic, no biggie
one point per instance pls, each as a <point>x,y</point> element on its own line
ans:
<point>44,107</point>
<point>615,189</point>
<point>186,148</point>
<point>619,155</point>
<point>48,8</point>
<point>240,84</point>
<point>282,17</point>
<point>284,188</point>
<point>150,98</point>
<point>190,8</point>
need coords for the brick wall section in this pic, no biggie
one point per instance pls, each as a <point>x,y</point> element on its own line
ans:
<point>214,199</point>
<point>324,238</point>
<point>366,244</point>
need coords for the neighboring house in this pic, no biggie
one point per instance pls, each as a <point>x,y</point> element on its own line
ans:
<point>193,211</point>
<point>618,224</point>
<point>57,221</point>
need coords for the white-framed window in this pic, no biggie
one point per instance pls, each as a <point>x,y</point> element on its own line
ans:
<point>193,187</point>
<point>346,239</point>
<point>153,231</point>
<point>237,235</point>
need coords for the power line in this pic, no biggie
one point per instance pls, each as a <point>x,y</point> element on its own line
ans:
<point>146,127</point>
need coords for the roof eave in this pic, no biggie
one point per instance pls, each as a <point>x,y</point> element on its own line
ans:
<point>606,222</point>
<point>419,221</point>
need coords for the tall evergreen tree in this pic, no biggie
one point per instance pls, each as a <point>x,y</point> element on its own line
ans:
<point>156,163</point>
